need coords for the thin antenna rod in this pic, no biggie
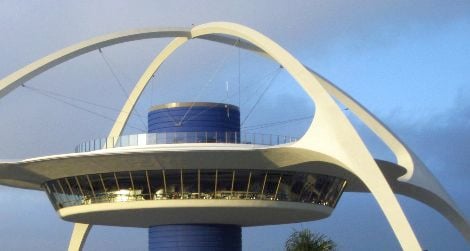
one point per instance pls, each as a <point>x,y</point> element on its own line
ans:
<point>239,74</point>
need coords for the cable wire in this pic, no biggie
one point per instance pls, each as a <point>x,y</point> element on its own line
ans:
<point>121,86</point>
<point>271,81</point>
<point>224,61</point>
<point>72,98</point>
<point>110,68</point>
<point>235,94</point>
<point>239,76</point>
<point>277,123</point>
<point>76,106</point>
<point>259,87</point>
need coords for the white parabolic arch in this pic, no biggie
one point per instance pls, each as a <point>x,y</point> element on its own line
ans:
<point>330,129</point>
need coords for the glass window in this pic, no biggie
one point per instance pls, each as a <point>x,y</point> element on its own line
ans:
<point>173,183</point>
<point>195,184</point>
<point>157,184</point>
<point>270,186</point>
<point>190,184</point>
<point>140,184</point>
<point>207,183</point>
<point>240,183</point>
<point>109,182</point>
<point>256,184</point>
<point>224,184</point>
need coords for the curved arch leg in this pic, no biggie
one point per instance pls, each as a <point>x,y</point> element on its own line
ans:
<point>123,117</point>
<point>15,79</point>
<point>79,235</point>
<point>435,201</point>
<point>401,152</point>
<point>388,203</point>
<point>418,183</point>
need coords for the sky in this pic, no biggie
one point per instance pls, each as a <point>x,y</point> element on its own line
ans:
<point>406,61</point>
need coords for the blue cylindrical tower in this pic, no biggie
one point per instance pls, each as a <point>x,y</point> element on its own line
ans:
<point>196,237</point>
<point>195,122</point>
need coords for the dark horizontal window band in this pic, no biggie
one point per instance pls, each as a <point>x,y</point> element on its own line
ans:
<point>195,111</point>
<point>201,184</point>
<point>195,115</point>
<point>178,123</point>
<point>207,117</point>
<point>162,128</point>
<point>186,121</point>
<point>199,118</point>
<point>195,123</point>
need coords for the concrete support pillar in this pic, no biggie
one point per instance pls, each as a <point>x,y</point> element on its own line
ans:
<point>79,235</point>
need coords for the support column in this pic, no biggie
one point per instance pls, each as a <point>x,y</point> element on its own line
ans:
<point>195,237</point>
<point>79,235</point>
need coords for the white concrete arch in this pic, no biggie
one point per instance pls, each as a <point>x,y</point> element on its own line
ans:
<point>418,182</point>
<point>331,131</point>
<point>14,80</point>
<point>405,157</point>
<point>79,235</point>
<point>144,79</point>
<point>328,114</point>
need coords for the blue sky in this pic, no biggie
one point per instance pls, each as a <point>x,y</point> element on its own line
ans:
<point>406,61</point>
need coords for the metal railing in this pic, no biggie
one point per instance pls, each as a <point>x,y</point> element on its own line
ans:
<point>183,137</point>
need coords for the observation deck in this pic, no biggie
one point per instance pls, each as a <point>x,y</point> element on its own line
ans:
<point>145,139</point>
<point>194,166</point>
<point>239,183</point>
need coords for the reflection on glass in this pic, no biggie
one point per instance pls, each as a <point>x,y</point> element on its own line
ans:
<point>206,184</point>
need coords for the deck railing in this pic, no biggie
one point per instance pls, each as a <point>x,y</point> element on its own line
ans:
<point>183,137</point>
